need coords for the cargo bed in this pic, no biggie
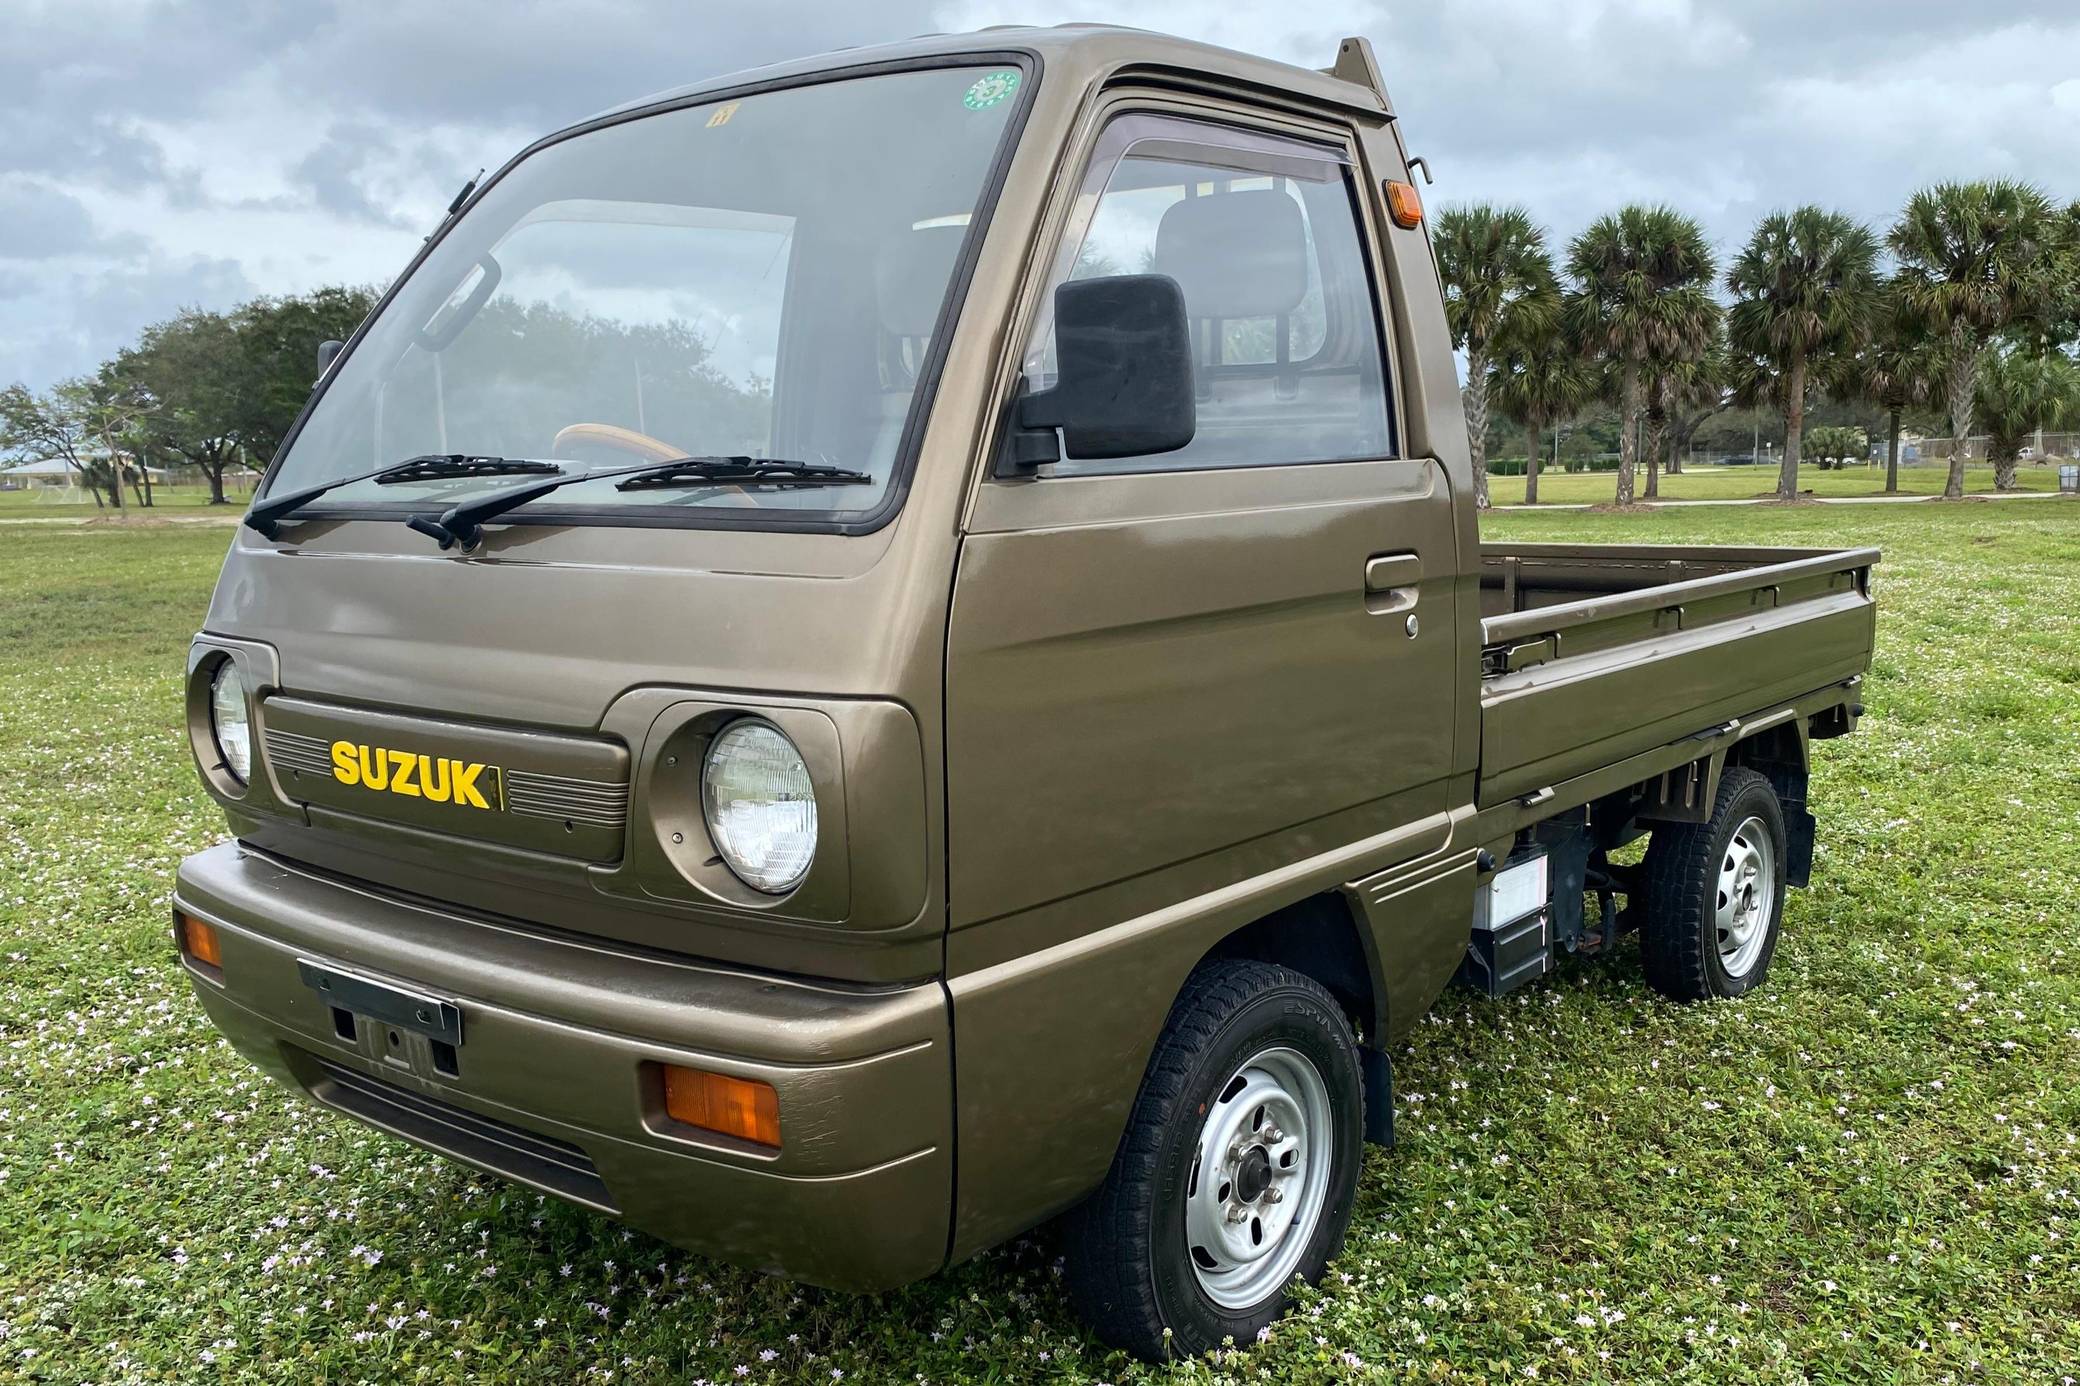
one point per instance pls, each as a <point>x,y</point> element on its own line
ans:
<point>1593,653</point>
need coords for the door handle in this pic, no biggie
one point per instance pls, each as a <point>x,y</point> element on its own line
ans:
<point>1392,583</point>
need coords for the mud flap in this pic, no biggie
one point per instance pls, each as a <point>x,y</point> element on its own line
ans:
<point>1378,1071</point>
<point>1800,828</point>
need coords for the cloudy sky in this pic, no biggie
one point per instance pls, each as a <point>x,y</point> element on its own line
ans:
<point>157,154</point>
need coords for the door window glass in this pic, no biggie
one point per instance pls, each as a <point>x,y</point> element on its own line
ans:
<point>1264,243</point>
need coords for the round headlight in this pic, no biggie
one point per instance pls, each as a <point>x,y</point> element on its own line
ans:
<point>228,723</point>
<point>760,806</point>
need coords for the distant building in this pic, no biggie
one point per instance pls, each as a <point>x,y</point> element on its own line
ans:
<point>30,476</point>
<point>55,473</point>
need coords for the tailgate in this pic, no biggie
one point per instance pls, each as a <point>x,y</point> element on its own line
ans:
<point>1571,685</point>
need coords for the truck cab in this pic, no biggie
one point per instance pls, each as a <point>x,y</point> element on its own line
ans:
<point>866,654</point>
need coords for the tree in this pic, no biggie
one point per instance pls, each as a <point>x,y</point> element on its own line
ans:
<point>1683,392</point>
<point>2051,321</point>
<point>1804,287</point>
<point>1642,294</point>
<point>110,410</point>
<point>280,338</point>
<point>201,383</point>
<point>1498,278</point>
<point>40,428</point>
<point>1539,378</point>
<point>1972,257</point>
<point>1660,397</point>
<point>1699,392</point>
<point>2020,390</point>
<point>1900,366</point>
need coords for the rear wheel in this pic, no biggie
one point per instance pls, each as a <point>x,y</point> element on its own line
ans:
<point>1715,894</point>
<point>1237,1170</point>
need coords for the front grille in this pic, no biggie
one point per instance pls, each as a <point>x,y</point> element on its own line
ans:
<point>593,802</point>
<point>561,798</point>
<point>540,1161</point>
<point>306,755</point>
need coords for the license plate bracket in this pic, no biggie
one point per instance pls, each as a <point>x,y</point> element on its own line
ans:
<point>416,1011</point>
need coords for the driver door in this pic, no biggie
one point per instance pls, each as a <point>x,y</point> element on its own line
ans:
<point>1168,674</point>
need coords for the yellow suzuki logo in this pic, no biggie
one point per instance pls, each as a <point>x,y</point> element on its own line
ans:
<point>437,779</point>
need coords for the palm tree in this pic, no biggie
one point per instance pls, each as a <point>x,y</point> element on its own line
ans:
<point>1539,378</point>
<point>1899,367</point>
<point>1497,275</point>
<point>1804,287</point>
<point>1642,294</point>
<point>2053,320</point>
<point>2021,390</point>
<point>1971,257</point>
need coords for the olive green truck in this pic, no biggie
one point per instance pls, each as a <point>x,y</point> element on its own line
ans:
<point>864,656</point>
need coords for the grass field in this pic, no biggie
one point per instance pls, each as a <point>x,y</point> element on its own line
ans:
<point>1706,482</point>
<point>1867,1172</point>
<point>185,500</point>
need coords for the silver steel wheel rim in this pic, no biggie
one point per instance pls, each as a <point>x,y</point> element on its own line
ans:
<point>1747,898</point>
<point>1260,1178</point>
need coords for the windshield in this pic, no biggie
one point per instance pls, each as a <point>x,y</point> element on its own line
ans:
<point>760,277</point>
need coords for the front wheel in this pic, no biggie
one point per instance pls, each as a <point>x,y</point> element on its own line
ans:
<point>1237,1170</point>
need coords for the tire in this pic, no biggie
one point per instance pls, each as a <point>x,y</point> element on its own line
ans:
<point>1230,1072</point>
<point>1715,894</point>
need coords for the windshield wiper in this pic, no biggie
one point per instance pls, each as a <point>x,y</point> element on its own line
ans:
<point>267,515</point>
<point>757,471</point>
<point>464,524</point>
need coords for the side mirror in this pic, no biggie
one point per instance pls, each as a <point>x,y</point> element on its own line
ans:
<point>328,352</point>
<point>1124,388</point>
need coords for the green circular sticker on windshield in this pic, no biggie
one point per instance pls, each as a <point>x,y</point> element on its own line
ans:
<point>988,91</point>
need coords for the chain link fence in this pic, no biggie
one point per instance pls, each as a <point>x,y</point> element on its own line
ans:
<point>2040,448</point>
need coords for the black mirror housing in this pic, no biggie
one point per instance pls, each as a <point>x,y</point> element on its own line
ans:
<point>328,352</point>
<point>1124,389</point>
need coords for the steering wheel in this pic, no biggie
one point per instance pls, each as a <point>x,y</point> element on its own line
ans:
<point>642,445</point>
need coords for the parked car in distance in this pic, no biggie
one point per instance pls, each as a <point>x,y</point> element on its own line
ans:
<point>1016,729</point>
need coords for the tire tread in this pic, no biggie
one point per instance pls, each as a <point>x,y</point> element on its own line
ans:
<point>1679,876</point>
<point>1115,1293</point>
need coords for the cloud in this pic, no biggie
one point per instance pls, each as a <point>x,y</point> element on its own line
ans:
<point>224,149</point>
<point>160,153</point>
<point>344,172</point>
<point>38,222</point>
<point>62,322</point>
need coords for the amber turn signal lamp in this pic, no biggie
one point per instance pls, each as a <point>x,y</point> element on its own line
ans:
<point>1404,203</point>
<point>199,939</point>
<point>740,1107</point>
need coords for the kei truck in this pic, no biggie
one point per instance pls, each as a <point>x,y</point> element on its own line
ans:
<point>866,655</point>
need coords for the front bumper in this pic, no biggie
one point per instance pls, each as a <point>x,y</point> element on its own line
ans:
<point>555,1084</point>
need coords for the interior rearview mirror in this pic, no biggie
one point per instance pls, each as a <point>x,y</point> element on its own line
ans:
<point>1123,386</point>
<point>462,304</point>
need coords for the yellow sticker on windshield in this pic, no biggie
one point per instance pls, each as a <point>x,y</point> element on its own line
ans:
<point>723,113</point>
